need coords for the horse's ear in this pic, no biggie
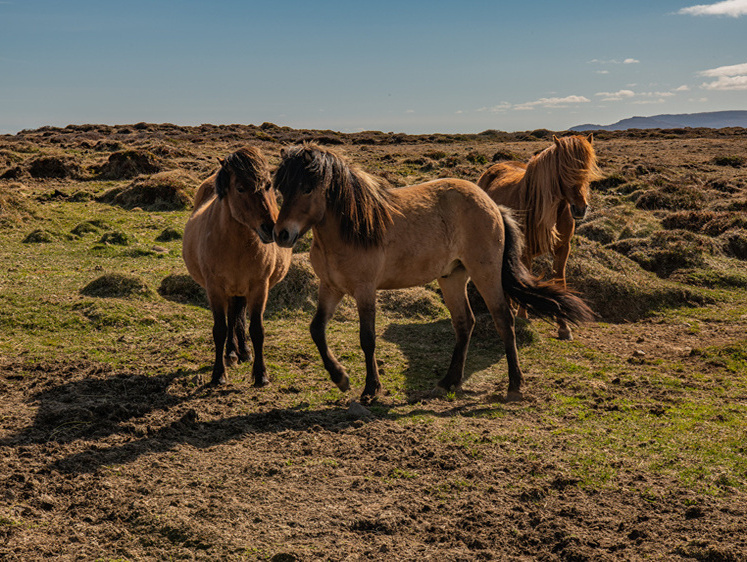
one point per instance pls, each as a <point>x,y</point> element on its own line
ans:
<point>555,139</point>
<point>222,180</point>
<point>283,152</point>
<point>590,138</point>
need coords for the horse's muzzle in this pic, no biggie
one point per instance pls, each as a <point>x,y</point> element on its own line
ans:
<point>285,238</point>
<point>578,212</point>
<point>265,232</point>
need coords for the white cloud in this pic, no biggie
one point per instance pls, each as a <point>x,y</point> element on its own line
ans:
<point>616,96</point>
<point>629,60</point>
<point>732,77</point>
<point>732,8</point>
<point>603,71</point>
<point>727,83</point>
<point>503,106</point>
<point>551,102</point>
<point>683,88</point>
<point>732,70</point>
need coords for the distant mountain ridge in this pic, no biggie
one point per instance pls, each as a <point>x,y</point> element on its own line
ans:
<point>711,120</point>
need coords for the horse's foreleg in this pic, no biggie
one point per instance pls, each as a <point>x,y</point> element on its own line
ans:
<point>257,301</point>
<point>328,301</point>
<point>566,227</point>
<point>220,331</point>
<point>503,318</point>
<point>366,302</point>
<point>454,289</point>
<point>236,348</point>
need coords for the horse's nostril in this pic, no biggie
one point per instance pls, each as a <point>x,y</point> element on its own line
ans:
<point>282,236</point>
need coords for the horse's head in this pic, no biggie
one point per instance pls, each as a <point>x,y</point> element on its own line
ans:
<point>243,181</point>
<point>577,168</point>
<point>301,179</point>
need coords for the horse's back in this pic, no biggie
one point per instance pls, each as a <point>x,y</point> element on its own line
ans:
<point>204,192</point>
<point>502,182</point>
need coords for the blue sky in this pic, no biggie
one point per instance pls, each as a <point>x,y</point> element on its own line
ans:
<point>402,66</point>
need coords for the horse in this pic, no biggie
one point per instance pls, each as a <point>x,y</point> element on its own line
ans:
<point>367,237</point>
<point>549,194</point>
<point>229,250</point>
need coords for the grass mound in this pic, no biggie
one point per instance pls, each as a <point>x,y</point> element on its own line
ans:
<point>169,234</point>
<point>128,164</point>
<point>182,288</point>
<point>415,302</point>
<point>14,208</point>
<point>116,285</point>
<point>298,291</point>
<point>54,167</point>
<point>165,191</point>
<point>671,197</point>
<point>39,236</point>
<point>668,251</point>
<point>735,243</point>
<point>616,287</point>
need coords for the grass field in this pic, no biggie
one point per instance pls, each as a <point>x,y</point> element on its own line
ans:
<point>630,444</point>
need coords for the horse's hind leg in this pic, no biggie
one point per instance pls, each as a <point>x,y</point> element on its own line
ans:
<point>257,301</point>
<point>454,289</point>
<point>366,301</point>
<point>503,318</point>
<point>236,348</point>
<point>328,301</point>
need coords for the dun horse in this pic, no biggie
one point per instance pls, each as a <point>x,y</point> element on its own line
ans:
<point>228,250</point>
<point>549,194</point>
<point>367,238</point>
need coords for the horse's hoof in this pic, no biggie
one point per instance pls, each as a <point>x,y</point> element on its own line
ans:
<point>369,396</point>
<point>344,383</point>
<point>565,335</point>
<point>438,392</point>
<point>232,359</point>
<point>514,396</point>
<point>218,380</point>
<point>259,383</point>
<point>245,357</point>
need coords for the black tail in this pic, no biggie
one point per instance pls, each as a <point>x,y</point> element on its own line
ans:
<point>546,299</point>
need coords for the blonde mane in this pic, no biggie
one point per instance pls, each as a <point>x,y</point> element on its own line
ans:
<point>570,161</point>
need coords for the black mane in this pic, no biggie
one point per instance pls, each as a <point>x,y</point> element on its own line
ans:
<point>362,205</point>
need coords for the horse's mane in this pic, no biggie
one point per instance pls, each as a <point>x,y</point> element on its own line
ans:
<point>569,161</point>
<point>362,204</point>
<point>248,166</point>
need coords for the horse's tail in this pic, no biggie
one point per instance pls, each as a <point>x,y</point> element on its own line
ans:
<point>546,299</point>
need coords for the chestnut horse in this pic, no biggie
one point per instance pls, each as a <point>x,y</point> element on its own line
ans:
<point>367,238</point>
<point>548,195</point>
<point>228,250</point>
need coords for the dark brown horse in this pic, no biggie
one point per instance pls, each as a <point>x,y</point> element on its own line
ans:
<point>549,194</point>
<point>368,238</point>
<point>228,250</point>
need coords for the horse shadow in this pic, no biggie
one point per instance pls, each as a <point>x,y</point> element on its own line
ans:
<point>428,347</point>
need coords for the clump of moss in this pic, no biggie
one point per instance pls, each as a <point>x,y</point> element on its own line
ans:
<point>116,285</point>
<point>733,161</point>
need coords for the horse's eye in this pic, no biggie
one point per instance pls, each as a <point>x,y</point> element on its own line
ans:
<point>307,188</point>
